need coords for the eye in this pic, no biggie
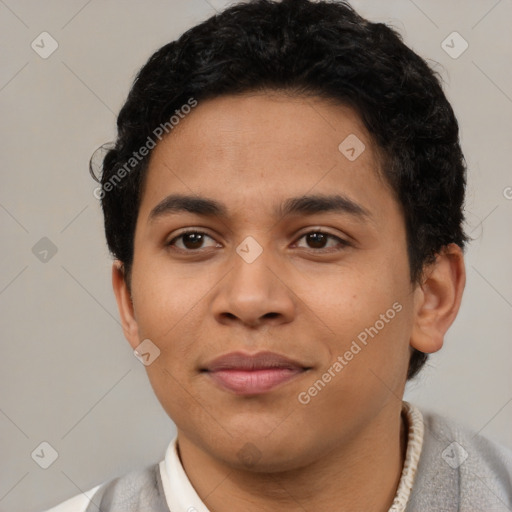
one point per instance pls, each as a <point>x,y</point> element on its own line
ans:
<point>191,240</point>
<point>318,239</point>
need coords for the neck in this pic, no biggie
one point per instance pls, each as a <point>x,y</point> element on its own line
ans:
<point>358,476</point>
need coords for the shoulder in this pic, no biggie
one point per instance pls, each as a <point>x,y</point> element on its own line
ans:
<point>137,490</point>
<point>460,470</point>
<point>77,503</point>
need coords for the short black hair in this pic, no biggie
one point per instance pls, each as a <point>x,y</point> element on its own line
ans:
<point>323,49</point>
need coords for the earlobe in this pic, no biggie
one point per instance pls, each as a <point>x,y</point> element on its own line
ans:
<point>125,304</point>
<point>438,299</point>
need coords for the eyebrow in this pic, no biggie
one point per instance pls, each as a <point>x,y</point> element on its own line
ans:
<point>302,205</point>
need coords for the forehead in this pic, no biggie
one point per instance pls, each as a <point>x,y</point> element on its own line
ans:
<point>256,149</point>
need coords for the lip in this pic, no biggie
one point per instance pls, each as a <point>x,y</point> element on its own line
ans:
<point>253,374</point>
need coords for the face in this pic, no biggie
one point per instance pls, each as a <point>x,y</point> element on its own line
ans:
<point>278,294</point>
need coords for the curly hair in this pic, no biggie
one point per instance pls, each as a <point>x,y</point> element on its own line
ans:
<point>323,49</point>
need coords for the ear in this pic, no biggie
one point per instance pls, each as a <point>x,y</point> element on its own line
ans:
<point>437,299</point>
<point>124,304</point>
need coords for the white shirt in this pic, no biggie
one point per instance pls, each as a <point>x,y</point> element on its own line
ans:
<point>182,497</point>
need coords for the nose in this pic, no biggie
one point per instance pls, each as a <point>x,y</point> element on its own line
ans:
<point>254,294</point>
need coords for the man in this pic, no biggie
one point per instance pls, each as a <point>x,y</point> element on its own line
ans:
<point>284,206</point>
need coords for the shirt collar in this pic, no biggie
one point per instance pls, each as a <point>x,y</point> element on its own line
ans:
<point>414,421</point>
<point>179,493</point>
<point>182,497</point>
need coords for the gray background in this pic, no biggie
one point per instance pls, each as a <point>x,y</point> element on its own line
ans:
<point>68,377</point>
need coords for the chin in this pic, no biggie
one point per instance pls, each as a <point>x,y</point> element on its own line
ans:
<point>262,459</point>
<point>258,452</point>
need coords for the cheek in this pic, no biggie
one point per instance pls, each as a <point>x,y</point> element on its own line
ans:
<point>369,315</point>
<point>349,302</point>
<point>163,298</point>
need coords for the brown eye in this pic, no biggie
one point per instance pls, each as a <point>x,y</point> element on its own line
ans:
<point>190,240</point>
<point>319,240</point>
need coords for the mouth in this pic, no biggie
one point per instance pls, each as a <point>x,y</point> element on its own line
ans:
<point>253,374</point>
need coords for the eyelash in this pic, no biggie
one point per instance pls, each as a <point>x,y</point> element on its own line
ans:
<point>343,243</point>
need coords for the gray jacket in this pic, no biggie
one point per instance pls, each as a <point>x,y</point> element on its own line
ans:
<point>458,471</point>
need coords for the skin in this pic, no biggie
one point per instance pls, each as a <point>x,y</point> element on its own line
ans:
<point>304,300</point>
